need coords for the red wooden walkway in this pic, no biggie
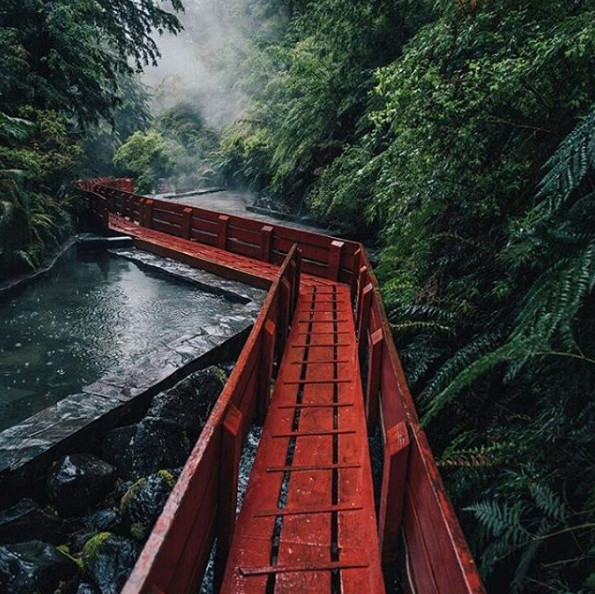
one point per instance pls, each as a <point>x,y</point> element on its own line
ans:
<point>212,259</point>
<point>308,522</point>
<point>308,516</point>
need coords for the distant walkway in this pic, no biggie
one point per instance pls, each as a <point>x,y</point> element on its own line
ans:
<point>256,272</point>
<point>235,203</point>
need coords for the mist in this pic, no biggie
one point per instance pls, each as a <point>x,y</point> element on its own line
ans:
<point>203,64</point>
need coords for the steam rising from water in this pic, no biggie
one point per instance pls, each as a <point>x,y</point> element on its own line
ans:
<point>202,63</point>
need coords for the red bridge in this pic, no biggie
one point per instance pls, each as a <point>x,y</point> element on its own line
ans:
<point>309,521</point>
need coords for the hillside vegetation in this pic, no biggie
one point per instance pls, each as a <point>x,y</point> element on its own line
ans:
<point>67,94</point>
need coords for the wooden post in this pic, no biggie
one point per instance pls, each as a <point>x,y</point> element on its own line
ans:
<point>104,212</point>
<point>357,258</point>
<point>127,184</point>
<point>267,357</point>
<point>231,450</point>
<point>292,283</point>
<point>283,314</point>
<point>361,280</point>
<point>186,228</point>
<point>363,311</point>
<point>334,260</point>
<point>392,494</point>
<point>298,276</point>
<point>222,232</point>
<point>374,376</point>
<point>147,215</point>
<point>130,207</point>
<point>267,242</point>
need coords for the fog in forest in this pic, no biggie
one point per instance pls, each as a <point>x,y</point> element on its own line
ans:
<point>204,62</point>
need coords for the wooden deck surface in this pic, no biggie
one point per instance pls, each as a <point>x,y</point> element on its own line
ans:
<point>213,259</point>
<point>308,522</point>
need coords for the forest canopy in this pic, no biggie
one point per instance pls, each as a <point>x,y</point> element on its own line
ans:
<point>65,68</point>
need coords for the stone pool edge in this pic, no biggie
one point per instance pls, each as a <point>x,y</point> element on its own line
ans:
<point>77,422</point>
<point>13,286</point>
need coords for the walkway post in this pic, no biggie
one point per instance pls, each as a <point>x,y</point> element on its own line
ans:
<point>231,450</point>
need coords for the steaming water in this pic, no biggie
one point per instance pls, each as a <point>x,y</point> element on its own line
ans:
<point>84,320</point>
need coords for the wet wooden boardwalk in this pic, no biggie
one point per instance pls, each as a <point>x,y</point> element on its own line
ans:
<point>308,522</point>
<point>216,260</point>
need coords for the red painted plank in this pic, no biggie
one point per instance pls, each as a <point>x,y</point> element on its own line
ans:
<point>306,535</point>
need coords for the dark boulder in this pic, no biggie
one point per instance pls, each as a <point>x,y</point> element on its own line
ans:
<point>78,481</point>
<point>143,448</point>
<point>108,561</point>
<point>85,588</point>
<point>103,520</point>
<point>142,504</point>
<point>190,401</point>
<point>33,567</point>
<point>28,521</point>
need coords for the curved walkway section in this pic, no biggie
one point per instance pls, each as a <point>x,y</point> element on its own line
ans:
<point>308,522</point>
<point>212,259</point>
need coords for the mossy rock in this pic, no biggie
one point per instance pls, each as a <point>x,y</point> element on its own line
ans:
<point>143,502</point>
<point>108,561</point>
<point>93,546</point>
<point>170,478</point>
<point>132,491</point>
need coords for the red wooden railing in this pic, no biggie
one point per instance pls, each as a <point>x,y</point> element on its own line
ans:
<point>323,256</point>
<point>202,505</point>
<point>414,508</point>
<point>413,501</point>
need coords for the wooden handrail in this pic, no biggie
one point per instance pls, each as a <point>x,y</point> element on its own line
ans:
<point>322,255</point>
<point>421,512</point>
<point>203,502</point>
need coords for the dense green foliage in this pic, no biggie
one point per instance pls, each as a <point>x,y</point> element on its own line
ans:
<point>464,134</point>
<point>178,147</point>
<point>36,155</point>
<point>65,74</point>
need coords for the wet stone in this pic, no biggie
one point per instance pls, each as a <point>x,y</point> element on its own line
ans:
<point>108,561</point>
<point>33,567</point>
<point>143,502</point>
<point>78,481</point>
<point>85,588</point>
<point>143,448</point>
<point>102,520</point>
<point>27,520</point>
<point>190,401</point>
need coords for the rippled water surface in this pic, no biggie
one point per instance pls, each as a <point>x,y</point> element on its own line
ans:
<point>85,319</point>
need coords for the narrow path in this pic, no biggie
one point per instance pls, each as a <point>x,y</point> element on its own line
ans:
<point>255,272</point>
<point>308,522</point>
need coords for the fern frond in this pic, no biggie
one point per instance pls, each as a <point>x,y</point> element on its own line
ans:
<point>570,164</point>
<point>462,359</point>
<point>479,457</point>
